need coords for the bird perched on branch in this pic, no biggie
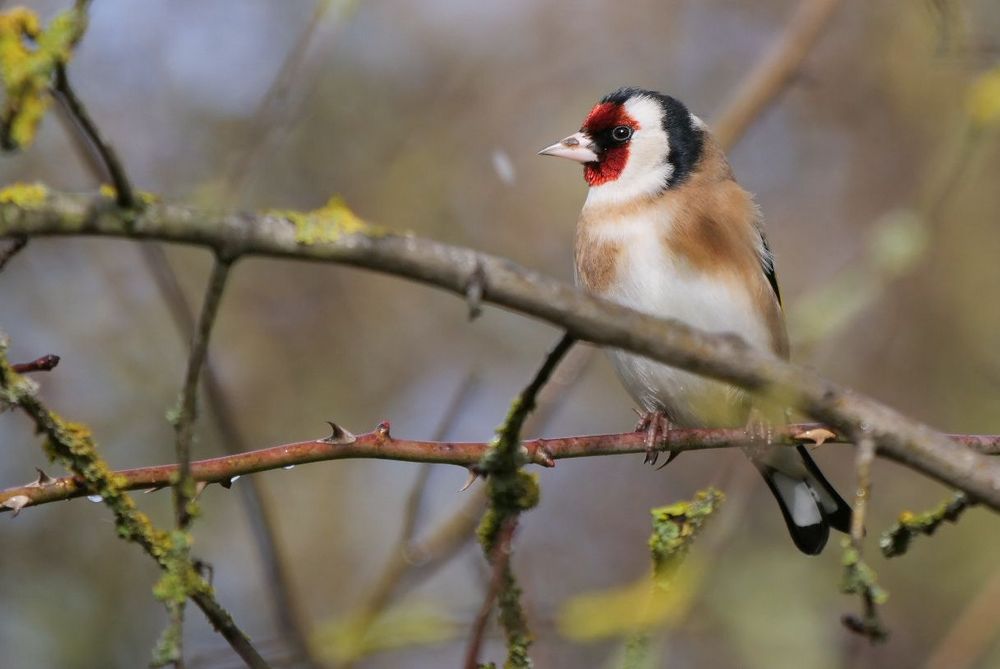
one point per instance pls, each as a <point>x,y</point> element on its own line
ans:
<point>667,230</point>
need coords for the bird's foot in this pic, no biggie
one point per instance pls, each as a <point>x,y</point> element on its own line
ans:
<point>656,426</point>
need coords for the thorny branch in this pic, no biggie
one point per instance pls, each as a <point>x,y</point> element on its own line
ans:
<point>71,445</point>
<point>382,446</point>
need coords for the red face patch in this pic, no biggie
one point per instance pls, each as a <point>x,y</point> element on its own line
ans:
<point>613,156</point>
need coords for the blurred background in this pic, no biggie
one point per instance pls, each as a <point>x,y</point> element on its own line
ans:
<point>880,192</point>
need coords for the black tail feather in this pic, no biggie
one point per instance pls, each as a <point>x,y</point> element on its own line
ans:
<point>813,500</point>
<point>840,519</point>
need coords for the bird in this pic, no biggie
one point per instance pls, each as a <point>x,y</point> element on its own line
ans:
<point>667,230</point>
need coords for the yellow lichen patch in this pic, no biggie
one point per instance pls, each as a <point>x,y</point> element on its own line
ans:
<point>326,224</point>
<point>110,192</point>
<point>984,98</point>
<point>28,60</point>
<point>24,195</point>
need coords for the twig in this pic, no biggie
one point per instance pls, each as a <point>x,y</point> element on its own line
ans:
<point>376,445</point>
<point>124,195</point>
<point>172,644</point>
<point>16,246</point>
<point>512,492</point>
<point>188,412</point>
<point>896,540</point>
<point>859,578</point>
<point>45,363</point>
<point>501,564</point>
<point>775,71</point>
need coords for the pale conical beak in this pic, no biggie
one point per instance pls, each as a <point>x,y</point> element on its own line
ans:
<point>578,146</point>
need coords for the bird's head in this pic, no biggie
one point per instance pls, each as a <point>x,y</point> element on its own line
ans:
<point>634,143</point>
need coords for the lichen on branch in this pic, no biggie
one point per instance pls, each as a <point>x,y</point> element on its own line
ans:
<point>72,445</point>
<point>326,224</point>
<point>896,540</point>
<point>29,59</point>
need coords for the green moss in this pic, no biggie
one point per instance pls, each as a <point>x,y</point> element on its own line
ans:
<point>327,224</point>
<point>674,528</point>
<point>896,540</point>
<point>514,622</point>
<point>29,57</point>
<point>24,195</point>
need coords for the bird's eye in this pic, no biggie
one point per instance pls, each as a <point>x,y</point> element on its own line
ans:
<point>621,133</point>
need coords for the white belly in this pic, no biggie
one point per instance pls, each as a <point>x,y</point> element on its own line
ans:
<point>648,280</point>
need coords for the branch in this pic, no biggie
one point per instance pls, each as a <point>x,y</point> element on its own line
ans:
<point>500,572</point>
<point>723,357</point>
<point>381,445</point>
<point>74,107</point>
<point>16,246</point>
<point>775,71</point>
<point>184,490</point>
<point>46,363</point>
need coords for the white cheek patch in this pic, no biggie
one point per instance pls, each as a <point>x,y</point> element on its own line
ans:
<point>647,169</point>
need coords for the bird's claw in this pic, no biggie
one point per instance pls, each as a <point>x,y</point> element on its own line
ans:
<point>656,426</point>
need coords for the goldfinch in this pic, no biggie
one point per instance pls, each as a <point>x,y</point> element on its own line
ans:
<point>667,230</point>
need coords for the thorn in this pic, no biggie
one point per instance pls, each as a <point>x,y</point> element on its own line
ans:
<point>155,488</point>
<point>817,435</point>
<point>204,569</point>
<point>473,475</point>
<point>199,486</point>
<point>382,430</point>
<point>42,480</point>
<point>16,503</point>
<point>338,435</point>
<point>474,290</point>
<point>227,483</point>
